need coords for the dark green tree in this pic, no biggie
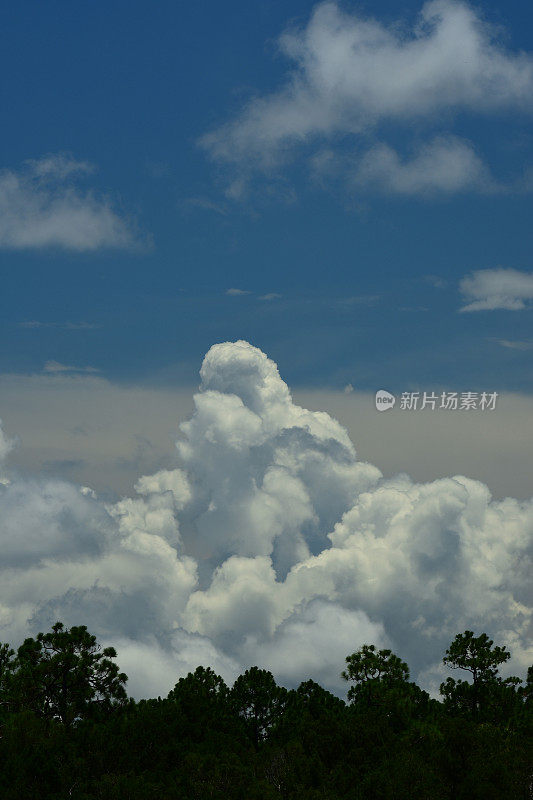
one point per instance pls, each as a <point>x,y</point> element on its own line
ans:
<point>200,685</point>
<point>7,664</point>
<point>476,655</point>
<point>486,691</point>
<point>318,700</point>
<point>64,675</point>
<point>258,701</point>
<point>371,671</point>
<point>526,692</point>
<point>202,697</point>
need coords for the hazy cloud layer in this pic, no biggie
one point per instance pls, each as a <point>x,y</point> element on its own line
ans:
<point>492,289</point>
<point>350,73</point>
<point>270,543</point>
<point>6,445</point>
<point>89,430</point>
<point>42,205</point>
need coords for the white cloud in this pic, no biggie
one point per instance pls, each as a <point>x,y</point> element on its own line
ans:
<point>445,165</point>
<point>58,166</point>
<point>245,416</point>
<point>314,641</point>
<point>491,289</point>
<point>41,205</point>
<point>350,73</point>
<point>57,366</point>
<point>236,292</point>
<point>272,542</point>
<point>515,345</point>
<point>155,670</point>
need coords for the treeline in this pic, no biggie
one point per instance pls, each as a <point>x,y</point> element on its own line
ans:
<point>68,730</point>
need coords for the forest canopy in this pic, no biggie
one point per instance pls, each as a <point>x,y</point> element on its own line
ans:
<point>68,729</point>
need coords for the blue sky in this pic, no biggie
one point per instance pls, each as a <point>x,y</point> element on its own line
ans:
<point>367,271</point>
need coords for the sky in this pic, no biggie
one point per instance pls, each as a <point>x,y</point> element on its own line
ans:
<point>338,191</point>
<point>145,221</point>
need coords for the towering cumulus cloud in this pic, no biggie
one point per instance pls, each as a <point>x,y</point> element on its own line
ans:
<point>271,544</point>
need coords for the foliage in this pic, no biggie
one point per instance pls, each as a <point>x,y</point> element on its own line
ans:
<point>373,673</point>
<point>258,701</point>
<point>62,674</point>
<point>477,655</point>
<point>487,692</point>
<point>67,731</point>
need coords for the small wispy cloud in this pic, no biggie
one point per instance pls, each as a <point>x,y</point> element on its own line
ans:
<point>515,345</point>
<point>493,289</point>
<point>360,300</point>
<point>445,165</point>
<point>57,366</point>
<point>58,166</point>
<point>436,281</point>
<point>269,297</point>
<point>35,324</point>
<point>42,205</point>
<point>205,204</point>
